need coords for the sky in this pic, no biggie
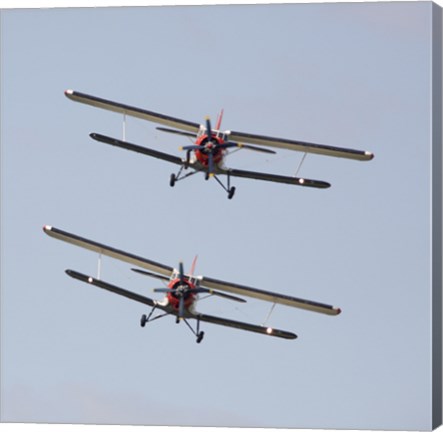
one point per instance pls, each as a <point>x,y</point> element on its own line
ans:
<point>350,75</point>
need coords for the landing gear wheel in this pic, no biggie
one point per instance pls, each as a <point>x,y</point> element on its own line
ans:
<point>200,336</point>
<point>231,192</point>
<point>172,180</point>
<point>143,320</point>
<point>177,320</point>
<point>206,176</point>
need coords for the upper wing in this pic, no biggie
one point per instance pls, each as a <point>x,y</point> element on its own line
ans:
<point>270,296</point>
<point>236,136</point>
<point>136,148</point>
<point>204,281</point>
<point>301,146</point>
<point>132,111</point>
<point>246,326</point>
<point>107,250</point>
<point>277,178</point>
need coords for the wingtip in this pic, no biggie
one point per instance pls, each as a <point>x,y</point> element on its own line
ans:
<point>47,228</point>
<point>69,92</point>
<point>369,155</point>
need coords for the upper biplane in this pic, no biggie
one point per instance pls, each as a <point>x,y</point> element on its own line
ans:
<point>210,146</point>
<point>183,289</point>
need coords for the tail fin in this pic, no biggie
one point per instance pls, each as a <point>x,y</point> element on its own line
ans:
<point>191,272</point>
<point>219,120</point>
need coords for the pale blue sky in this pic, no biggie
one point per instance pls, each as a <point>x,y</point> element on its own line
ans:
<point>351,75</point>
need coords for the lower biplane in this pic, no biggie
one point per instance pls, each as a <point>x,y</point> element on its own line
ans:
<point>211,146</point>
<point>183,289</point>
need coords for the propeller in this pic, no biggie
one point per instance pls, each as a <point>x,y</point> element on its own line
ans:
<point>163,290</point>
<point>180,291</point>
<point>208,129</point>
<point>182,288</point>
<point>212,146</point>
<point>182,275</point>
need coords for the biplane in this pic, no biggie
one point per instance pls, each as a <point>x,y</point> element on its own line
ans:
<point>211,146</point>
<point>183,289</point>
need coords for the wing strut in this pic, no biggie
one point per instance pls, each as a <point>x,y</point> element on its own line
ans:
<point>300,164</point>
<point>124,126</point>
<point>265,322</point>
<point>99,265</point>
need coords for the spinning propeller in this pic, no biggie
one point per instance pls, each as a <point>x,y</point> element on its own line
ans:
<point>211,147</point>
<point>182,289</point>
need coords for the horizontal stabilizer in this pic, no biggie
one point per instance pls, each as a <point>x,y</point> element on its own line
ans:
<point>220,294</point>
<point>177,132</point>
<point>154,275</point>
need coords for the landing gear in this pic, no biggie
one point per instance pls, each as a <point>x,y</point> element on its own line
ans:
<point>230,190</point>
<point>198,334</point>
<point>176,177</point>
<point>143,320</point>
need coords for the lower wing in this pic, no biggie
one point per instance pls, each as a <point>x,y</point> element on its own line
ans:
<point>136,148</point>
<point>269,331</point>
<point>277,178</point>
<point>107,286</point>
<point>205,318</point>
<point>232,172</point>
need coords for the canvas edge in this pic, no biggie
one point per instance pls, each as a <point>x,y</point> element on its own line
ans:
<point>437,162</point>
